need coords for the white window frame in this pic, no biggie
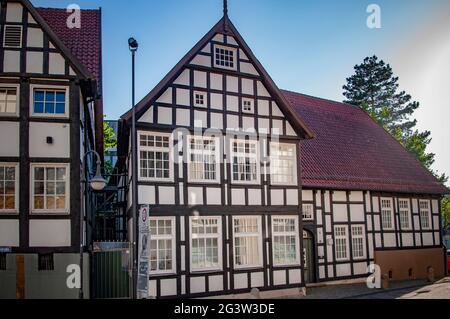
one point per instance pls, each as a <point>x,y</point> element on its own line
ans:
<point>346,238</point>
<point>421,211</point>
<point>228,48</point>
<point>404,210</point>
<point>216,154</point>
<point>257,235</point>
<point>308,208</point>
<point>172,237</point>
<point>361,236</point>
<point>16,189</point>
<point>17,88</point>
<point>391,214</point>
<point>252,105</point>
<point>49,88</point>
<point>255,156</point>
<point>4,36</point>
<point>205,99</point>
<point>154,148</point>
<point>64,211</point>
<point>274,148</point>
<point>290,233</point>
<point>218,236</point>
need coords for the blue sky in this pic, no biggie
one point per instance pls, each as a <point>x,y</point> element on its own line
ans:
<point>306,46</point>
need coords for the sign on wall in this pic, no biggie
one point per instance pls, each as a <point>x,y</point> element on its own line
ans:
<point>143,256</point>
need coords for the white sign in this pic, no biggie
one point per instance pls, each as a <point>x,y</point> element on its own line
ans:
<point>143,256</point>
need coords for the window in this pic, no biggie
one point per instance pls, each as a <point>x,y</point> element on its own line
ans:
<point>225,57</point>
<point>50,185</point>
<point>46,262</point>
<point>8,101</point>
<point>2,261</point>
<point>387,214</point>
<point>358,240</point>
<point>425,216</point>
<point>13,36</point>
<point>162,245</point>
<point>154,156</point>
<point>203,155</point>
<point>283,164</point>
<point>285,240</point>
<point>8,188</point>
<point>199,99</point>
<point>341,242</point>
<point>247,242</point>
<point>308,212</point>
<point>49,102</point>
<point>404,213</point>
<point>245,162</point>
<point>247,105</point>
<point>206,252</point>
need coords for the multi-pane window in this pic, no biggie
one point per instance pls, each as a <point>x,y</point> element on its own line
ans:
<point>205,243</point>
<point>358,249</point>
<point>49,102</point>
<point>283,164</point>
<point>8,101</point>
<point>225,57</point>
<point>245,161</point>
<point>404,213</point>
<point>203,155</point>
<point>162,245</point>
<point>308,212</point>
<point>341,242</point>
<point>387,220</point>
<point>285,240</point>
<point>50,188</point>
<point>247,241</point>
<point>247,105</point>
<point>154,156</point>
<point>8,188</point>
<point>199,99</point>
<point>425,216</point>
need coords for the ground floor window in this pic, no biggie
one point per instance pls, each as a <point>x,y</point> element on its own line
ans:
<point>206,248</point>
<point>247,241</point>
<point>404,212</point>
<point>341,243</point>
<point>425,216</point>
<point>285,240</point>
<point>162,245</point>
<point>358,249</point>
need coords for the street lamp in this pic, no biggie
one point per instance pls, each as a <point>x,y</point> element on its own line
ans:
<point>97,183</point>
<point>133,46</point>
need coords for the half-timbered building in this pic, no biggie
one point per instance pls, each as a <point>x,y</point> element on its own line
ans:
<point>253,187</point>
<point>50,116</point>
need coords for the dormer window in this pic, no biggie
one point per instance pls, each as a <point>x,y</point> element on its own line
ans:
<point>225,57</point>
<point>247,105</point>
<point>199,99</point>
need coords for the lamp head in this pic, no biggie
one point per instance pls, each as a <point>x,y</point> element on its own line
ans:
<point>133,44</point>
<point>98,183</point>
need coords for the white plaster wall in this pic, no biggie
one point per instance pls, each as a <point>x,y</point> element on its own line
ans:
<point>148,116</point>
<point>57,64</point>
<point>216,81</point>
<point>216,283</point>
<point>183,97</point>
<point>295,276</point>
<point>407,240</point>
<point>217,101</point>
<point>183,117</point>
<point>11,61</point>
<point>166,97</point>
<point>257,279</point>
<point>247,87</point>
<point>146,194</point>
<point>35,62</point>
<point>339,196</point>
<point>38,140</point>
<point>237,196</point>
<point>184,78</point>
<point>357,212</point>
<point>343,270</point>
<point>248,68</point>
<point>213,196</point>
<point>356,196</point>
<point>276,196</point>
<point>340,213</point>
<point>202,60</point>
<point>195,195</point>
<point>360,268</point>
<point>307,195</point>
<point>217,121</point>
<point>197,284</point>
<point>14,12</point>
<point>168,287</point>
<point>50,233</point>
<point>428,239</point>
<point>35,38</point>
<point>9,233</point>
<point>232,84</point>
<point>389,240</point>
<point>164,115</point>
<point>279,277</point>
<point>9,139</point>
<point>200,79</point>
<point>240,281</point>
<point>263,107</point>
<point>292,197</point>
<point>254,197</point>
<point>166,195</point>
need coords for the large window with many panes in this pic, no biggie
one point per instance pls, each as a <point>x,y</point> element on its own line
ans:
<point>285,240</point>
<point>245,164</point>
<point>154,156</point>
<point>9,105</point>
<point>206,247</point>
<point>425,214</point>
<point>283,164</point>
<point>247,241</point>
<point>404,214</point>
<point>203,153</point>
<point>49,102</point>
<point>162,245</point>
<point>9,190</point>
<point>341,243</point>
<point>358,242</point>
<point>225,57</point>
<point>50,188</point>
<point>387,214</point>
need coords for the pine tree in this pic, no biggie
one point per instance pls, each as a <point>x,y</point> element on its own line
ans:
<point>375,89</point>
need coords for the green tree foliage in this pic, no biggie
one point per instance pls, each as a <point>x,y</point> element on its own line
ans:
<point>445,208</point>
<point>375,89</point>
<point>109,141</point>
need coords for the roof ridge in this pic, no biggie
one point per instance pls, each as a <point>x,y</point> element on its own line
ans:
<point>65,9</point>
<point>321,98</point>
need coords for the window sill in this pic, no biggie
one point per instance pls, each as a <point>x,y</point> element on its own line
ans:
<point>49,213</point>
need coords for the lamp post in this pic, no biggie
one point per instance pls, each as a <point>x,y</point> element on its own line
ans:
<point>97,183</point>
<point>133,46</point>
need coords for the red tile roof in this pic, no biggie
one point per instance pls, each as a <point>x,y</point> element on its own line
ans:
<point>351,151</point>
<point>85,42</point>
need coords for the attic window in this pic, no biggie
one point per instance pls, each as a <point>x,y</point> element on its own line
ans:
<point>247,105</point>
<point>13,36</point>
<point>225,57</point>
<point>199,99</point>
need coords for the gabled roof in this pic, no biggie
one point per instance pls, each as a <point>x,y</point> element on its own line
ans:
<point>225,26</point>
<point>83,43</point>
<point>351,151</point>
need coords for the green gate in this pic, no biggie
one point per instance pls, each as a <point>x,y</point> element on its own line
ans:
<point>308,255</point>
<point>110,276</point>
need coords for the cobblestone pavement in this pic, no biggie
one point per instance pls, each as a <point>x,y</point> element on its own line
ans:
<point>418,289</point>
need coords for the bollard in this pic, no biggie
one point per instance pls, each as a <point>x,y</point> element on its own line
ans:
<point>255,293</point>
<point>385,281</point>
<point>430,274</point>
